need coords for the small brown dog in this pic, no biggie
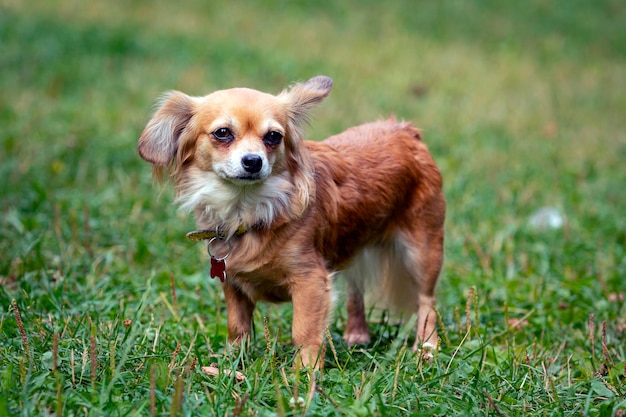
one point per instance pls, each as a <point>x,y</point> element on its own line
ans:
<point>283,215</point>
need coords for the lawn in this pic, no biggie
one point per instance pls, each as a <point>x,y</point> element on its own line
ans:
<point>106,309</point>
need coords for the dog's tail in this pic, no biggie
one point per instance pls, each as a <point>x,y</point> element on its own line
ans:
<point>386,275</point>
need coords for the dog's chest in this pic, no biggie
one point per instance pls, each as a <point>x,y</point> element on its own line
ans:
<point>262,286</point>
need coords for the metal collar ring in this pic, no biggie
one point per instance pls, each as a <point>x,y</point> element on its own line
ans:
<point>208,247</point>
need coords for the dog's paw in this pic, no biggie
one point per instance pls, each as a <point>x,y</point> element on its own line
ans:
<point>356,338</point>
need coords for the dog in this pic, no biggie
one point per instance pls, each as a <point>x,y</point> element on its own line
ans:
<point>283,215</point>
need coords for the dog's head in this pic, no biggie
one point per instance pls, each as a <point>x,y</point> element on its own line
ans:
<point>238,137</point>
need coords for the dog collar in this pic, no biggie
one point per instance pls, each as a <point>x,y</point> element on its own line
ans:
<point>206,234</point>
<point>218,264</point>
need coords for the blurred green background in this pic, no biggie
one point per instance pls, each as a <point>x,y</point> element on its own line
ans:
<point>521,103</point>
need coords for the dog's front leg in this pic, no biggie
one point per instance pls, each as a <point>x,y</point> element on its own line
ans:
<point>239,309</point>
<point>311,303</point>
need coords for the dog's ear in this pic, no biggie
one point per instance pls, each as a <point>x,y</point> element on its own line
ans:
<point>159,140</point>
<point>298,100</point>
<point>301,97</point>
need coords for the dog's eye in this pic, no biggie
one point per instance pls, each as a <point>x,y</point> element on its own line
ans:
<point>273,138</point>
<point>223,134</point>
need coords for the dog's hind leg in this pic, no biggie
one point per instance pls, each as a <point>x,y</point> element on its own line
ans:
<point>366,270</point>
<point>356,327</point>
<point>414,263</point>
<point>423,258</point>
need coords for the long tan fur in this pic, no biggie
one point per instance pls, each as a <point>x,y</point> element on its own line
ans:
<point>367,202</point>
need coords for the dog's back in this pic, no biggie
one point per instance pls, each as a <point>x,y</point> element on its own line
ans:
<point>380,199</point>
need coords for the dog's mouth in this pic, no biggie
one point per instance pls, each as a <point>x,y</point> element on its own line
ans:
<point>250,178</point>
<point>245,179</point>
<point>242,177</point>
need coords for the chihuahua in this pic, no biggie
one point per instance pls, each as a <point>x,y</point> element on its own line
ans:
<point>283,215</point>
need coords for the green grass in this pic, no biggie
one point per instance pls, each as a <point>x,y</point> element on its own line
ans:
<point>522,105</point>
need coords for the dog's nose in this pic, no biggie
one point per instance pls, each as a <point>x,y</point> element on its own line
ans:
<point>252,163</point>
